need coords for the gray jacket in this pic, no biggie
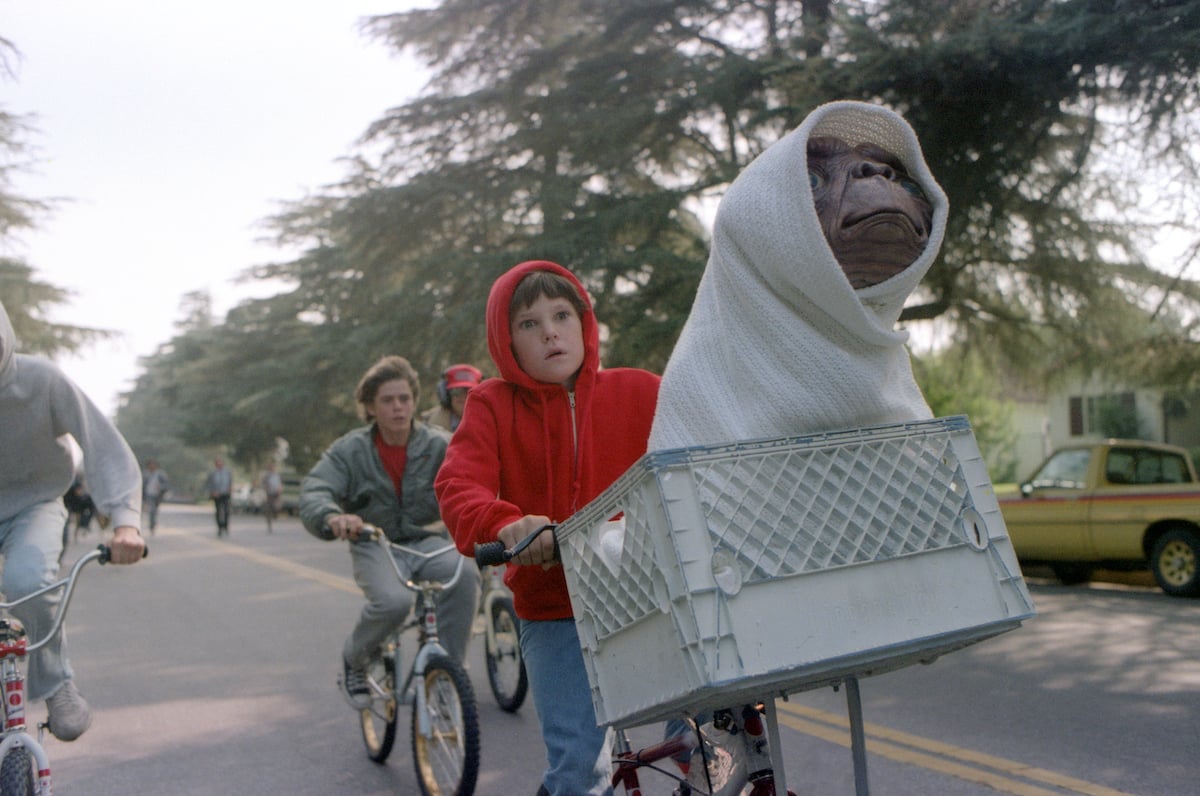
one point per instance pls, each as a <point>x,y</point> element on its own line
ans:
<point>39,404</point>
<point>349,478</point>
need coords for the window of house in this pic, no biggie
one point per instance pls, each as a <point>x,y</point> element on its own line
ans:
<point>1111,415</point>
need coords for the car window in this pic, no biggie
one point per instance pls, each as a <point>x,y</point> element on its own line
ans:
<point>1121,467</point>
<point>1157,467</point>
<point>1066,470</point>
<point>1175,470</point>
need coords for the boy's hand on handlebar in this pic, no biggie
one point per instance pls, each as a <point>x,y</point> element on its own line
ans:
<point>540,551</point>
<point>127,546</point>
<point>345,526</point>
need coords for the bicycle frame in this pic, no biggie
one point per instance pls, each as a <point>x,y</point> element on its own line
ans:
<point>493,589</point>
<point>424,618</point>
<point>14,648</point>
<point>751,748</point>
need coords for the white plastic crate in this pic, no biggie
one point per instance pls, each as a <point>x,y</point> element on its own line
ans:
<point>756,569</point>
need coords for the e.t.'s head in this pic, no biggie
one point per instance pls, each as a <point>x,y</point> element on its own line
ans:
<point>875,217</point>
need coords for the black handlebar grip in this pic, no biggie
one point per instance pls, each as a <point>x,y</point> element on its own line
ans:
<point>106,553</point>
<point>490,554</point>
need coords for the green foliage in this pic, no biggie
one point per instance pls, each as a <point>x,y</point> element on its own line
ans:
<point>959,381</point>
<point>1118,419</point>
<point>26,299</point>
<point>598,134</point>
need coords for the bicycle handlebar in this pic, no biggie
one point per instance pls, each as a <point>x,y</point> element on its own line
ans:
<point>102,553</point>
<point>373,533</point>
<point>490,554</point>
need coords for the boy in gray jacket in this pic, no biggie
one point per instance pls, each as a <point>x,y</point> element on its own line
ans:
<point>382,473</point>
<point>39,406</point>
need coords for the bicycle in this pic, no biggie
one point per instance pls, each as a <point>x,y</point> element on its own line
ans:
<point>502,644</point>
<point>735,753</point>
<point>24,765</point>
<point>445,722</point>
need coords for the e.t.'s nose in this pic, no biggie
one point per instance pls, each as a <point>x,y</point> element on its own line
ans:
<point>873,168</point>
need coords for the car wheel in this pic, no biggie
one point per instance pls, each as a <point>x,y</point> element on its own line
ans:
<point>1175,562</point>
<point>1072,574</point>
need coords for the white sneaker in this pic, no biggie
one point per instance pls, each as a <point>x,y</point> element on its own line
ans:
<point>69,713</point>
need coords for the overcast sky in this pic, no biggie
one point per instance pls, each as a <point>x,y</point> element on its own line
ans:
<point>172,130</point>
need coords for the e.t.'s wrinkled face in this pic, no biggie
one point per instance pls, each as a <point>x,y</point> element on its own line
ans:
<point>874,216</point>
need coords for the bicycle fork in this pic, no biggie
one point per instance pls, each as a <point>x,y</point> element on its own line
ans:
<point>428,646</point>
<point>16,734</point>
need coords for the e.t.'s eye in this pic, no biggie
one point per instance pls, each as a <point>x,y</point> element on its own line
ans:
<point>912,187</point>
<point>815,179</point>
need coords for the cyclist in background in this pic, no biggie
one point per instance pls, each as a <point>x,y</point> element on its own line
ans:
<point>272,487</point>
<point>452,389</point>
<point>39,407</point>
<point>382,473</point>
<point>154,489</point>
<point>219,486</point>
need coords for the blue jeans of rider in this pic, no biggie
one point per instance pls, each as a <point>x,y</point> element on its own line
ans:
<point>579,753</point>
<point>31,542</point>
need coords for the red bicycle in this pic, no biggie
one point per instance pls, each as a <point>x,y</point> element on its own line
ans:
<point>718,756</point>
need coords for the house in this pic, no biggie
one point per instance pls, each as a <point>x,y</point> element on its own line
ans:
<point>1090,409</point>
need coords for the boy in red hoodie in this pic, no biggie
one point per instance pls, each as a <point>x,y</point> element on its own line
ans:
<point>533,447</point>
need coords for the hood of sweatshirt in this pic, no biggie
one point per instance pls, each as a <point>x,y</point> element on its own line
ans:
<point>499,331</point>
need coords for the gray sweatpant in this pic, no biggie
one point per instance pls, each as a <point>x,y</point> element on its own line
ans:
<point>389,602</point>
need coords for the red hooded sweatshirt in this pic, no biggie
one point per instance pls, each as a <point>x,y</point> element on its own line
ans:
<point>515,451</point>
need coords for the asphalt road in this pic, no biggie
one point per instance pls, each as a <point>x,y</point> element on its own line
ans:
<point>211,669</point>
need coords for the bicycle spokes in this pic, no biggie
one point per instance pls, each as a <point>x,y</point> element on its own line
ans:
<point>445,730</point>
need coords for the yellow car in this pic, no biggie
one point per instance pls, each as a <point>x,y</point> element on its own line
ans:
<point>1117,504</point>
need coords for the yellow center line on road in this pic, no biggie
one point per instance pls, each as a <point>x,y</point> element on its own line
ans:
<point>965,764</point>
<point>280,564</point>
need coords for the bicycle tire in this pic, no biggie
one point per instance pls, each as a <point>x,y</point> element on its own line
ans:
<point>447,759</point>
<point>16,773</point>
<point>505,668</point>
<point>378,720</point>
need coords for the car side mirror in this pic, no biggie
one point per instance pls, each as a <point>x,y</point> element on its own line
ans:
<point>1026,489</point>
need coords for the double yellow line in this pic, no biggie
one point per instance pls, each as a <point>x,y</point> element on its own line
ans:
<point>1003,776</point>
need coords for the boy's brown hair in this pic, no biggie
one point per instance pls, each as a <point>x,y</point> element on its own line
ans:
<point>386,369</point>
<point>544,283</point>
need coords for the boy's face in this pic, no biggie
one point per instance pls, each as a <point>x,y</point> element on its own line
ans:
<point>547,340</point>
<point>458,400</point>
<point>393,406</point>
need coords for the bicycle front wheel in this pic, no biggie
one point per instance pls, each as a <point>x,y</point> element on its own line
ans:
<point>379,718</point>
<point>446,752</point>
<point>505,669</point>
<point>16,773</point>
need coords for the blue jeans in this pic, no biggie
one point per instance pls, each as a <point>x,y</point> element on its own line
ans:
<point>579,754</point>
<point>31,543</point>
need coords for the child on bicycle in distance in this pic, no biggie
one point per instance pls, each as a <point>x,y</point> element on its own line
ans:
<point>533,447</point>
<point>39,406</point>
<point>382,473</point>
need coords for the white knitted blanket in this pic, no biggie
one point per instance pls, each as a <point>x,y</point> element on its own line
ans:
<point>778,343</point>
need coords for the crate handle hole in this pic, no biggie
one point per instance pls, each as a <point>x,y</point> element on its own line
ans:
<point>975,529</point>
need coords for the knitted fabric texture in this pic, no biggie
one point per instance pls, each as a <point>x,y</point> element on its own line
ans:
<point>778,343</point>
